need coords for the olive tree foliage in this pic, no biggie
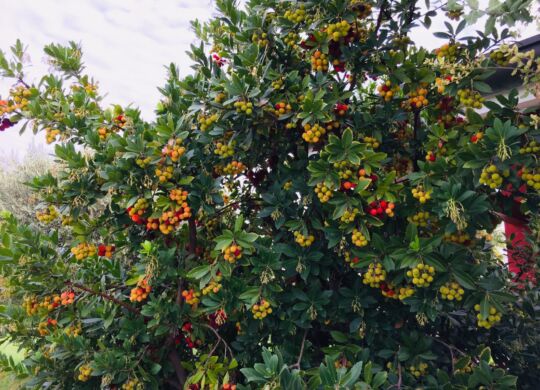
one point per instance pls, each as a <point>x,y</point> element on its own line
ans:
<point>312,208</point>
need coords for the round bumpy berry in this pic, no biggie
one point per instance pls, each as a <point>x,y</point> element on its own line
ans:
<point>85,371</point>
<point>261,310</point>
<point>140,292</point>
<point>470,98</point>
<point>232,253</point>
<point>388,90</point>
<point>83,251</point>
<point>48,215</point>
<point>191,297</point>
<point>422,195</point>
<point>491,177</point>
<point>374,275</point>
<point>418,370</point>
<point>532,178</point>
<point>323,192</point>
<point>358,238</point>
<point>421,219</point>
<point>243,107</point>
<point>319,62</point>
<point>302,240</point>
<point>492,318</point>
<point>421,275</point>
<point>451,291</point>
<point>313,133</point>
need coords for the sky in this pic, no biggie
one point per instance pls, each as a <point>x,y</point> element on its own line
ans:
<point>126,45</point>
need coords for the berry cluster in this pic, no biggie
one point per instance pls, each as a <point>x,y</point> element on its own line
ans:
<point>477,137</point>
<point>323,192</point>
<point>137,211</point>
<point>83,250</point>
<point>374,275</point>
<point>341,109</point>
<point>67,298</point>
<point>233,168</point>
<point>30,305</point>
<point>291,40</point>
<point>220,97</point>
<point>50,303</point>
<point>313,133</point>
<point>261,310</point>
<point>213,286</point>
<point>302,240</point>
<point>164,173</point>
<point>441,83</point>
<point>282,108</point>
<point>491,177</point>
<point>319,62</point>
<point>448,51</point>
<point>371,141</point>
<point>358,238</point>
<point>458,238</point>
<point>421,219</point>
<point>500,57</point>
<point>19,99</point>
<point>451,291</point>
<point>85,371</point>
<point>417,99</point>
<point>418,370</point>
<point>191,297</point>
<point>244,107</point>
<point>388,290</point>
<point>104,132</point>
<point>336,31</point>
<point>48,215</point>
<point>43,327</point>
<point>140,292</point>
<point>344,169</point>
<point>143,162</point>
<point>470,98</point>
<point>422,275</point>
<point>349,215</point>
<point>296,16</point>
<point>493,317</point>
<point>205,122</point>
<point>260,39</point>
<point>379,208</point>
<point>422,195</point>
<point>533,147</point>
<point>362,9</point>
<point>287,185</point>
<point>51,135</point>
<point>351,261</point>
<point>225,150</point>
<point>228,386</point>
<point>173,149</point>
<point>532,178</point>
<point>277,84</point>
<point>170,220</point>
<point>431,156</point>
<point>232,253</point>
<point>388,90</point>
<point>132,384</point>
<point>105,250</point>
<point>73,330</point>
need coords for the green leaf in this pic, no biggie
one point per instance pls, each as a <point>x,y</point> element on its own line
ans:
<point>198,272</point>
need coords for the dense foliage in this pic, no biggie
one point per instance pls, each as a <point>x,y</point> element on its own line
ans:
<point>319,195</point>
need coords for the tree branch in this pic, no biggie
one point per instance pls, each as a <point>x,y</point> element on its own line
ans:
<point>220,339</point>
<point>105,296</point>
<point>300,355</point>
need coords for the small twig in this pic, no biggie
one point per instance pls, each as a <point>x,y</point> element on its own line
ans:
<point>220,339</point>
<point>105,296</point>
<point>302,346</point>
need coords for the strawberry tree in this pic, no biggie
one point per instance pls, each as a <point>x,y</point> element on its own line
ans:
<point>321,193</point>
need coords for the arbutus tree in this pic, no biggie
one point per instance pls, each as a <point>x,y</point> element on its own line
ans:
<point>321,193</point>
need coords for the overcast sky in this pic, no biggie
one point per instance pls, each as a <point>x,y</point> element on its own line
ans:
<point>125,44</point>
